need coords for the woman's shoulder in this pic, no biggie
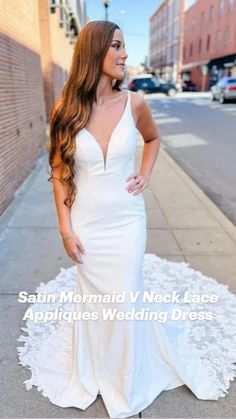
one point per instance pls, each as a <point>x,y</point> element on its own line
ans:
<point>137,98</point>
<point>137,104</point>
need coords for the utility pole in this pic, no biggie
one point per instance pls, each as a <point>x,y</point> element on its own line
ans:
<point>106,5</point>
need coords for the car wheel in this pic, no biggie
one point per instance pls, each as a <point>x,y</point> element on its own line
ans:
<point>171,92</point>
<point>221,98</point>
<point>213,98</point>
<point>141,92</point>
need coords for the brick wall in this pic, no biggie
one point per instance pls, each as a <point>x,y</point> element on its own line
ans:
<point>35,56</point>
<point>56,53</point>
<point>202,22</point>
<point>22,107</point>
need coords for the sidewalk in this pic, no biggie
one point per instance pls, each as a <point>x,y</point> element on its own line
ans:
<point>183,224</point>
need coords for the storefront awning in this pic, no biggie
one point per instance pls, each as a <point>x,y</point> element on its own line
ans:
<point>225,61</point>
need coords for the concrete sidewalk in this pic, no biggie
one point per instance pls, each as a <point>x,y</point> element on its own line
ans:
<point>183,224</point>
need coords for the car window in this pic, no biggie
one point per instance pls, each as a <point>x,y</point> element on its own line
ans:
<point>151,83</point>
<point>138,82</point>
<point>146,82</point>
<point>222,82</point>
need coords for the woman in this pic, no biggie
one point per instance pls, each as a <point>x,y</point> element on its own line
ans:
<point>102,222</point>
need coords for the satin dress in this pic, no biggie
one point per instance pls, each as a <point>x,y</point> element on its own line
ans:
<point>129,362</point>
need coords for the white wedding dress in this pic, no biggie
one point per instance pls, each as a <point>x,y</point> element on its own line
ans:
<point>130,362</point>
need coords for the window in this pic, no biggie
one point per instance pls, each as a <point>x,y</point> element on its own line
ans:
<point>149,83</point>
<point>191,50</point>
<point>199,45</point>
<point>208,42</point>
<point>172,53</point>
<point>218,39</point>
<point>221,7</point>
<point>222,82</point>
<point>226,36</point>
<point>176,28</point>
<point>211,10</point>
<point>202,19</point>
<point>176,3</point>
<point>230,5</point>
<point>185,31</point>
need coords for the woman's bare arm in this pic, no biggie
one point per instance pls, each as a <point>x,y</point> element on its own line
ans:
<point>60,192</point>
<point>147,128</point>
<point>72,244</point>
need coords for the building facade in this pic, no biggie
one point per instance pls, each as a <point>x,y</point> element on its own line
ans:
<point>209,42</point>
<point>166,40</point>
<point>36,45</point>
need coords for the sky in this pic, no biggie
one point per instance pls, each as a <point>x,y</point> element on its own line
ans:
<point>133,18</point>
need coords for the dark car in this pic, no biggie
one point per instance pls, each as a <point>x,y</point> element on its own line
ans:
<point>189,86</point>
<point>147,84</point>
<point>224,90</point>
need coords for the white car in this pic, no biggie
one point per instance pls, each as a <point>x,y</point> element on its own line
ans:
<point>224,90</point>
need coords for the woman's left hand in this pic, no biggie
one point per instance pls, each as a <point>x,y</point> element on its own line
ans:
<point>138,184</point>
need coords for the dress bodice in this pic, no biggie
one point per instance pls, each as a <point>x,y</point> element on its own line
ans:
<point>89,158</point>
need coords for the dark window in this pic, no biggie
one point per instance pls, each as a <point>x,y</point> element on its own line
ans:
<point>138,83</point>
<point>149,83</point>
<point>208,42</point>
<point>199,45</point>
<point>191,50</point>
<point>145,82</point>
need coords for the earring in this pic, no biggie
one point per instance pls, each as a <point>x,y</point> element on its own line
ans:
<point>113,82</point>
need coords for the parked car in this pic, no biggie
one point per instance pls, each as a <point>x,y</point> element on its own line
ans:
<point>189,86</point>
<point>151,84</point>
<point>224,90</point>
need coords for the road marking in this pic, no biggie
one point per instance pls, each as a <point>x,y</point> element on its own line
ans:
<point>200,102</point>
<point>183,140</point>
<point>159,114</point>
<point>229,109</point>
<point>169,120</point>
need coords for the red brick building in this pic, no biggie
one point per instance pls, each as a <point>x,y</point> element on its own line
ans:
<point>209,50</point>
<point>36,44</point>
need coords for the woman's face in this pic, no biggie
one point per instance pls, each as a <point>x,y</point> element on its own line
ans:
<point>114,61</point>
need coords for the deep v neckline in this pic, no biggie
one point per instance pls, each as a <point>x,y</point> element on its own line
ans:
<point>105,157</point>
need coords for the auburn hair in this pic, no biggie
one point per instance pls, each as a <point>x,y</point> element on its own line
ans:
<point>72,109</point>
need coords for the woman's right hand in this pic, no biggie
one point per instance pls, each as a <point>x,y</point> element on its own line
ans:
<point>74,248</point>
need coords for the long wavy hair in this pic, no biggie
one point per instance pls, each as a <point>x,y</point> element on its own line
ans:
<point>72,109</point>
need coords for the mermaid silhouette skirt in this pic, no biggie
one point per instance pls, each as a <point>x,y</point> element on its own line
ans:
<point>129,361</point>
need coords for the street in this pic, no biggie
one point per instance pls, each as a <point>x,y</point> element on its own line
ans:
<point>200,136</point>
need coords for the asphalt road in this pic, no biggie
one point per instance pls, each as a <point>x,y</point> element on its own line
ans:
<point>200,135</point>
